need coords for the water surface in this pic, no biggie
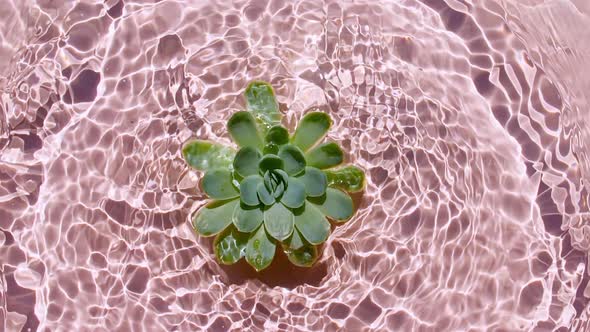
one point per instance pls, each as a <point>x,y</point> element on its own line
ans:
<point>469,117</point>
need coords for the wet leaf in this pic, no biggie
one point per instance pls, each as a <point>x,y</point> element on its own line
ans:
<point>293,158</point>
<point>214,217</point>
<point>205,155</point>
<point>246,161</point>
<point>275,182</point>
<point>294,196</point>
<point>278,221</point>
<point>315,181</point>
<point>264,195</point>
<point>277,135</point>
<point>242,128</point>
<point>249,190</point>
<point>261,101</point>
<point>230,246</point>
<point>312,224</point>
<point>282,176</point>
<point>304,256</point>
<point>260,250</point>
<point>271,148</point>
<point>269,162</point>
<point>311,129</point>
<point>218,185</point>
<point>247,218</point>
<point>269,182</point>
<point>335,204</point>
<point>349,178</point>
<point>278,190</point>
<point>325,156</point>
<point>295,241</point>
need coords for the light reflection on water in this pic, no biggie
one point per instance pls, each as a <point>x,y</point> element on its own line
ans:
<point>469,120</point>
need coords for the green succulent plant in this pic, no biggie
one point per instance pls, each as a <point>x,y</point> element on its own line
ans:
<point>277,189</point>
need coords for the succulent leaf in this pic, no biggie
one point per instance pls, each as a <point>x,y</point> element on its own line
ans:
<point>218,184</point>
<point>315,181</point>
<point>312,224</point>
<point>249,190</point>
<point>294,196</point>
<point>277,135</point>
<point>279,190</point>
<point>242,128</point>
<point>304,256</point>
<point>269,181</point>
<point>295,241</point>
<point>260,249</point>
<point>311,129</point>
<point>247,218</point>
<point>271,148</point>
<point>278,221</point>
<point>205,155</point>
<point>349,178</point>
<point>214,217</point>
<point>325,155</point>
<point>269,162</point>
<point>264,195</point>
<point>261,101</point>
<point>230,246</point>
<point>293,159</point>
<point>283,176</point>
<point>335,204</point>
<point>246,161</point>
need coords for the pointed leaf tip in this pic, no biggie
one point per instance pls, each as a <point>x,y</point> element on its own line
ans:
<point>260,250</point>
<point>295,241</point>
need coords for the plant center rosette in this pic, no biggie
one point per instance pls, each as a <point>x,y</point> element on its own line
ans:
<point>277,189</point>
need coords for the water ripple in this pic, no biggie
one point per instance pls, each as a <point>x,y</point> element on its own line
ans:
<point>467,117</point>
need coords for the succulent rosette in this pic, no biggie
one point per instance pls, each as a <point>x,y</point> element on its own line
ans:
<point>277,189</point>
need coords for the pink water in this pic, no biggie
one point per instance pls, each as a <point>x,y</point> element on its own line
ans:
<point>469,116</point>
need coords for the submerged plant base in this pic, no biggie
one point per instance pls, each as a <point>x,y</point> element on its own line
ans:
<point>280,273</point>
<point>277,190</point>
